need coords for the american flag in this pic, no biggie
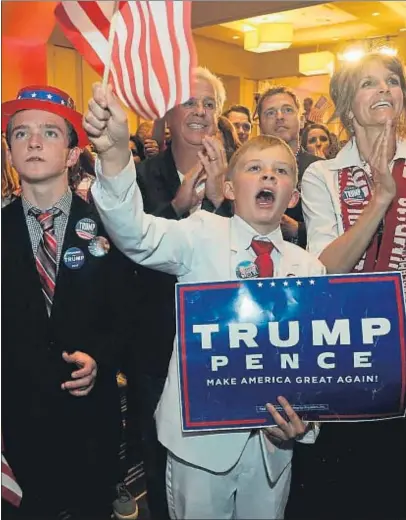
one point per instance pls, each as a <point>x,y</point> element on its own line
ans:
<point>317,112</point>
<point>10,490</point>
<point>153,52</point>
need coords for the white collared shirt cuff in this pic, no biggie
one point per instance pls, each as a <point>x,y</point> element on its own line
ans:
<point>311,435</point>
<point>115,187</point>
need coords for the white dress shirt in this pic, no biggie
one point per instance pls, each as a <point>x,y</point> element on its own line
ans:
<point>321,195</point>
<point>202,247</point>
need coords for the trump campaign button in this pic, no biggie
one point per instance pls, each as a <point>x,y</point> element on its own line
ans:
<point>353,196</point>
<point>99,246</point>
<point>74,258</point>
<point>86,228</point>
<point>247,269</point>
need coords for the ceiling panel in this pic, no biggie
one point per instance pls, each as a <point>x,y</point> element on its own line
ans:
<point>213,12</point>
<point>305,18</point>
<point>318,24</point>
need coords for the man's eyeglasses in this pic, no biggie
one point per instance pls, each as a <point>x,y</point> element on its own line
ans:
<point>286,110</point>
<point>243,126</point>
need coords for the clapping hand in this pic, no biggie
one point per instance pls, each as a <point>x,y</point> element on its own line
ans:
<point>213,160</point>
<point>187,196</point>
<point>151,148</point>
<point>378,156</point>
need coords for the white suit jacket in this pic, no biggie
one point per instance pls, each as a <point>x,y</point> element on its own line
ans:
<point>203,247</point>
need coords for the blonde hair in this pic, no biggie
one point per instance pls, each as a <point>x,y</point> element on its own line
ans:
<point>344,87</point>
<point>259,143</point>
<point>9,178</point>
<point>204,74</point>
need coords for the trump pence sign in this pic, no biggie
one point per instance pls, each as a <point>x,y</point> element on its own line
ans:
<point>334,346</point>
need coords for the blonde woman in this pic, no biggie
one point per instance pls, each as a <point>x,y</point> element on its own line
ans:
<point>354,208</point>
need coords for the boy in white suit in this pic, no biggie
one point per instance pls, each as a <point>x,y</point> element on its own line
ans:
<point>238,474</point>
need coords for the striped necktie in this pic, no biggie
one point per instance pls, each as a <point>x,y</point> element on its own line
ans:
<point>263,260</point>
<point>46,255</point>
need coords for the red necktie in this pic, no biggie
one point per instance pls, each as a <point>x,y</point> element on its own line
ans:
<point>263,261</point>
<point>46,256</point>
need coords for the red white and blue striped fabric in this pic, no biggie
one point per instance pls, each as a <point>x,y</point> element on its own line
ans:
<point>10,490</point>
<point>153,53</point>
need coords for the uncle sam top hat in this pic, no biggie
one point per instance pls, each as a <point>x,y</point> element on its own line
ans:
<point>49,99</point>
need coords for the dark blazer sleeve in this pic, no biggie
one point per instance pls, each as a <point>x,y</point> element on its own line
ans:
<point>118,321</point>
<point>225,210</point>
<point>304,159</point>
<point>151,205</point>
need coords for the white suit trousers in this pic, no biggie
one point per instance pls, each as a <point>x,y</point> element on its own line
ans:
<point>242,493</point>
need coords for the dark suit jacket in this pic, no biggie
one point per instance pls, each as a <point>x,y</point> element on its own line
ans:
<point>52,439</point>
<point>304,160</point>
<point>158,180</point>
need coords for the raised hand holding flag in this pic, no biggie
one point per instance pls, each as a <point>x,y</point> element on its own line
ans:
<point>152,52</point>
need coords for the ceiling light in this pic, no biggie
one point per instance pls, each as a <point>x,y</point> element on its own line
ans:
<point>403,29</point>
<point>269,37</point>
<point>376,14</point>
<point>352,55</point>
<point>388,51</point>
<point>236,37</point>
<point>335,39</point>
<point>313,63</point>
<point>247,28</point>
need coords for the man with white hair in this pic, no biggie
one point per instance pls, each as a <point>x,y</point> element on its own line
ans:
<point>168,189</point>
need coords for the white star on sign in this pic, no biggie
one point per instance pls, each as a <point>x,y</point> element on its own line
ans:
<point>62,102</point>
<point>272,284</point>
<point>312,282</point>
<point>260,284</point>
<point>49,96</point>
<point>34,94</point>
<point>285,283</point>
<point>298,282</point>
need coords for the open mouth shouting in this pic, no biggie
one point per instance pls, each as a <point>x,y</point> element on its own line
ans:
<point>265,198</point>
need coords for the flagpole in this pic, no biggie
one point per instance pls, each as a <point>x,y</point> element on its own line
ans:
<point>112,33</point>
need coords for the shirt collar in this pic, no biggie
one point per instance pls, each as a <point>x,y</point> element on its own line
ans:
<point>242,234</point>
<point>349,155</point>
<point>63,204</point>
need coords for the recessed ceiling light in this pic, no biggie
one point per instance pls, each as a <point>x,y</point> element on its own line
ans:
<point>335,39</point>
<point>236,37</point>
<point>388,51</point>
<point>376,14</point>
